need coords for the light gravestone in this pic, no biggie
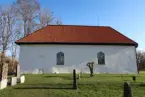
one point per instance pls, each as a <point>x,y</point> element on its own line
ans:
<point>3,75</point>
<point>14,80</point>
<point>21,79</point>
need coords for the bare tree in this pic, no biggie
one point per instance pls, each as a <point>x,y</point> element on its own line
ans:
<point>141,59</point>
<point>58,22</point>
<point>45,18</point>
<point>28,11</point>
<point>7,20</point>
<point>9,31</point>
<point>20,19</point>
<point>14,49</point>
<point>33,17</point>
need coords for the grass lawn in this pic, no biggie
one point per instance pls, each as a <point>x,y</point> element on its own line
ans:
<point>60,85</point>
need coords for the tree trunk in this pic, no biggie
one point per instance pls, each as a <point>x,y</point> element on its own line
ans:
<point>2,63</point>
<point>25,28</point>
<point>91,70</point>
<point>3,56</point>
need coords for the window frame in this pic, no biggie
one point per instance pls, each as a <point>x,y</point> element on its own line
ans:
<point>101,58</point>
<point>60,58</point>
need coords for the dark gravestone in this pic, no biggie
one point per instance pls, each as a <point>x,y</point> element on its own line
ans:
<point>127,90</point>
<point>134,78</point>
<point>74,80</point>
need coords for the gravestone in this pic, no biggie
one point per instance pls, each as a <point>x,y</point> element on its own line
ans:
<point>13,81</point>
<point>22,79</point>
<point>18,71</point>
<point>16,79</point>
<point>3,75</point>
<point>134,78</point>
<point>74,80</point>
<point>127,90</point>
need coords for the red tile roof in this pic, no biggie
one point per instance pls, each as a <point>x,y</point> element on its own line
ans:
<point>70,34</point>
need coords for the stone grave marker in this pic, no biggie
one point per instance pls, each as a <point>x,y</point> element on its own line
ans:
<point>13,81</point>
<point>74,80</point>
<point>18,71</point>
<point>3,75</point>
<point>127,90</point>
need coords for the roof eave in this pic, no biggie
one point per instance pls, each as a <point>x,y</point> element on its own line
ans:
<point>78,43</point>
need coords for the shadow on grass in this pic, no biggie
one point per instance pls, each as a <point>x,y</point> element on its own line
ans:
<point>41,88</point>
<point>9,83</point>
<point>45,86</point>
<point>63,77</point>
<point>142,85</point>
<point>101,75</point>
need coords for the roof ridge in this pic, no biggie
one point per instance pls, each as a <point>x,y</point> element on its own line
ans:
<point>80,25</point>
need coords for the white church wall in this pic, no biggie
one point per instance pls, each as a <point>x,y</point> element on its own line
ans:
<point>118,59</point>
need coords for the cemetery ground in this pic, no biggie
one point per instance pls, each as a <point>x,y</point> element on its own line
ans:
<point>60,85</point>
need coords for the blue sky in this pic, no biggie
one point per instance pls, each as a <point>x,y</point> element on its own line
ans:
<point>126,16</point>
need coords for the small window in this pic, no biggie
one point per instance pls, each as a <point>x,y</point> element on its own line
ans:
<point>60,58</point>
<point>101,58</point>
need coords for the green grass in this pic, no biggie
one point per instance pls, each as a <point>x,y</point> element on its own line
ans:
<point>60,85</point>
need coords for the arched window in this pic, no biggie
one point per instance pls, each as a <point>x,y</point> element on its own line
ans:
<point>60,58</point>
<point>101,58</point>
